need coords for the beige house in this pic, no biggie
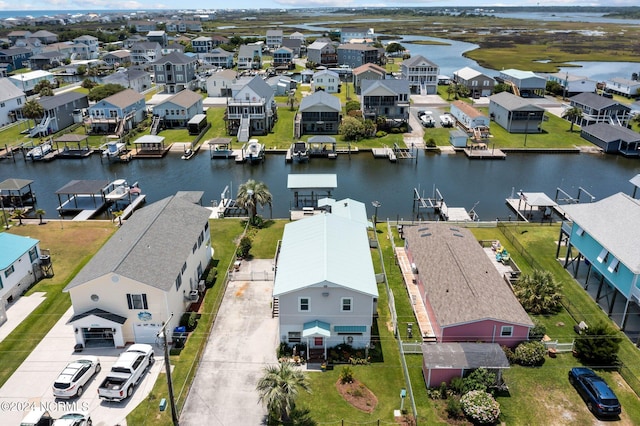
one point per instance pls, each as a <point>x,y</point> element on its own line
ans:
<point>148,270</point>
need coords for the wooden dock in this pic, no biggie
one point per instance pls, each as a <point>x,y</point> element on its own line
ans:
<point>128,211</point>
<point>485,154</point>
<point>85,215</point>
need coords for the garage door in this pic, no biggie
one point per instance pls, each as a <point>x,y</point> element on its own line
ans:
<point>146,332</point>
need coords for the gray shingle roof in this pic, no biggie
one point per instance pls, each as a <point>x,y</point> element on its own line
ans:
<point>124,98</point>
<point>612,222</point>
<point>51,102</point>
<point>8,90</point>
<point>418,60</point>
<point>513,103</point>
<point>185,98</point>
<point>595,101</point>
<point>175,58</point>
<point>461,283</point>
<point>610,133</point>
<point>320,98</point>
<point>399,86</point>
<point>151,246</point>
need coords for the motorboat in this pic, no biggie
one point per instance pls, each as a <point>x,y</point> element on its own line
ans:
<point>39,152</point>
<point>300,151</point>
<point>253,151</point>
<point>113,149</point>
<point>188,153</point>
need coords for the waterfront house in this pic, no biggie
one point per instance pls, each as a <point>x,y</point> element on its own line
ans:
<point>388,98</point>
<point>117,58</point>
<point>143,26</point>
<point>613,139</point>
<point>27,81</point>
<point>251,110</point>
<point>466,298</point>
<point>92,46</point>
<point>47,60</point>
<point>320,114</point>
<point>145,52</point>
<point>19,265</point>
<point>325,284</point>
<point>11,100</point>
<point>183,26</point>
<point>601,236</point>
<point>573,84</point>
<point>220,83</point>
<point>283,58</point>
<point>59,110</point>
<point>349,33</point>
<point>217,58</point>
<point>623,87</point>
<point>158,36</point>
<point>421,73</point>
<point>295,44</point>
<point>355,55</point>
<point>219,40</point>
<point>176,71</point>
<point>249,57</point>
<point>149,269</point>
<point>177,110</point>
<point>367,72</point>
<point>322,53</point>
<point>131,78</point>
<point>477,83</point>
<point>468,116</point>
<point>16,35</point>
<point>600,109</point>
<point>274,39</point>
<point>202,44</point>
<point>46,37</point>
<point>117,113</point>
<point>16,57</point>
<point>326,80</point>
<point>515,114</point>
<point>526,84</point>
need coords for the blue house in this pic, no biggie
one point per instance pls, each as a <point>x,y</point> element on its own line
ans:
<point>19,265</point>
<point>603,237</point>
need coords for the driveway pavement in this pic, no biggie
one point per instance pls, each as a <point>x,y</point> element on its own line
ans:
<point>243,341</point>
<point>30,386</point>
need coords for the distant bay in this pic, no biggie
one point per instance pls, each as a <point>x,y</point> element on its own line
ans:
<point>4,14</point>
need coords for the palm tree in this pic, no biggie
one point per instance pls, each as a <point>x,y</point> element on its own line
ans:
<point>40,213</point>
<point>18,214</point>
<point>279,387</point>
<point>538,292</point>
<point>32,109</point>
<point>451,89</point>
<point>250,194</point>
<point>572,114</point>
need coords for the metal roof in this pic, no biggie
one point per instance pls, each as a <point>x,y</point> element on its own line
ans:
<point>325,249</point>
<point>83,187</point>
<point>14,184</point>
<point>464,355</point>
<point>312,181</point>
<point>537,199</point>
<point>613,223</point>
<point>12,247</point>
<point>99,313</point>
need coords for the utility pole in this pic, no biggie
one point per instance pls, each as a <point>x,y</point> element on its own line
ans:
<point>167,365</point>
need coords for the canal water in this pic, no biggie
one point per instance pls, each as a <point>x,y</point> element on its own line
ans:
<point>462,182</point>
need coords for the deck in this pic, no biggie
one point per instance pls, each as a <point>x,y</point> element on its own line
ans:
<point>420,311</point>
<point>485,154</point>
<point>80,203</point>
<point>128,211</point>
<point>85,214</point>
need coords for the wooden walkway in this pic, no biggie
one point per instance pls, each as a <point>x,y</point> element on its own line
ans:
<point>420,311</point>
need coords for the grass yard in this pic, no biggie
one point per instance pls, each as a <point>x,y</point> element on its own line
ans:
<point>71,244</point>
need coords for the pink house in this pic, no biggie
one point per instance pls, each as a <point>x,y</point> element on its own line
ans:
<point>466,298</point>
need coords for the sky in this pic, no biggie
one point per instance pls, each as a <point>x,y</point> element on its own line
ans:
<point>285,4</point>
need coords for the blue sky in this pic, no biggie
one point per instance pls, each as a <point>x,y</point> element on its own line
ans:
<point>254,4</point>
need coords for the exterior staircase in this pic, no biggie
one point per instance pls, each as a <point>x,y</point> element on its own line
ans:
<point>243,132</point>
<point>155,124</point>
<point>275,308</point>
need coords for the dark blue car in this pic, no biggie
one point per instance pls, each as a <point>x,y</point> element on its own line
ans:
<point>599,397</point>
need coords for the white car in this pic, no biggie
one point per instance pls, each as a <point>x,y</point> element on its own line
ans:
<point>74,419</point>
<point>74,377</point>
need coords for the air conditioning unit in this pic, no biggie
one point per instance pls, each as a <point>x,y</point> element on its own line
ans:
<point>194,295</point>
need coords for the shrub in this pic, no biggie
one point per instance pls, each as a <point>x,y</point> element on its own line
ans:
<point>346,375</point>
<point>478,379</point>
<point>480,407</point>
<point>244,247</point>
<point>395,130</point>
<point>538,331</point>
<point>454,408</point>
<point>431,143</point>
<point>456,385</point>
<point>212,276</point>
<point>381,134</point>
<point>192,322</point>
<point>433,393</point>
<point>511,357</point>
<point>530,353</point>
<point>599,344</point>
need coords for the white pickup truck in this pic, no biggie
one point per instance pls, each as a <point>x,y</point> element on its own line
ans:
<point>126,372</point>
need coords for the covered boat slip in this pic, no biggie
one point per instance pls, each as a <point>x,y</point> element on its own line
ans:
<point>150,146</point>
<point>73,146</point>
<point>17,193</point>
<point>82,197</point>
<point>309,188</point>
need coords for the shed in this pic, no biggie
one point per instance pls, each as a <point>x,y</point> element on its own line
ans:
<point>458,138</point>
<point>197,123</point>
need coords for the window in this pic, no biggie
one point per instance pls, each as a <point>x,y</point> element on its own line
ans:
<point>614,265</point>
<point>506,331</point>
<point>137,301</point>
<point>195,246</point>
<point>294,337</point>
<point>579,231</point>
<point>8,271</point>
<point>178,281</point>
<point>33,254</point>
<point>347,304</point>
<point>304,304</point>
<point>603,256</point>
<point>184,267</point>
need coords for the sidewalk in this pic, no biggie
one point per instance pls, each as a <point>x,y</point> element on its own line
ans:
<point>19,310</point>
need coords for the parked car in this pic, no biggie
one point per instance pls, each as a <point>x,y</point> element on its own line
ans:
<point>74,377</point>
<point>37,417</point>
<point>126,372</point>
<point>599,397</point>
<point>74,419</point>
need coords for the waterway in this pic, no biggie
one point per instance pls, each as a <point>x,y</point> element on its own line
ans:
<point>461,181</point>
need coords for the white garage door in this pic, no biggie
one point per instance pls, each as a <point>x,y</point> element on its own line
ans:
<point>146,332</point>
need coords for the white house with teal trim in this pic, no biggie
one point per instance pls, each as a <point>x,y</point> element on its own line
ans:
<point>605,235</point>
<point>325,283</point>
<point>19,265</point>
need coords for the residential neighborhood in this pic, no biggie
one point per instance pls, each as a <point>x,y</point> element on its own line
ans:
<point>150,238</point>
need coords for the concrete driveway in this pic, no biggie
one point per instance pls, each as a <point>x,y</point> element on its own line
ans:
<point>30,386</point>
<point>242,342</point>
